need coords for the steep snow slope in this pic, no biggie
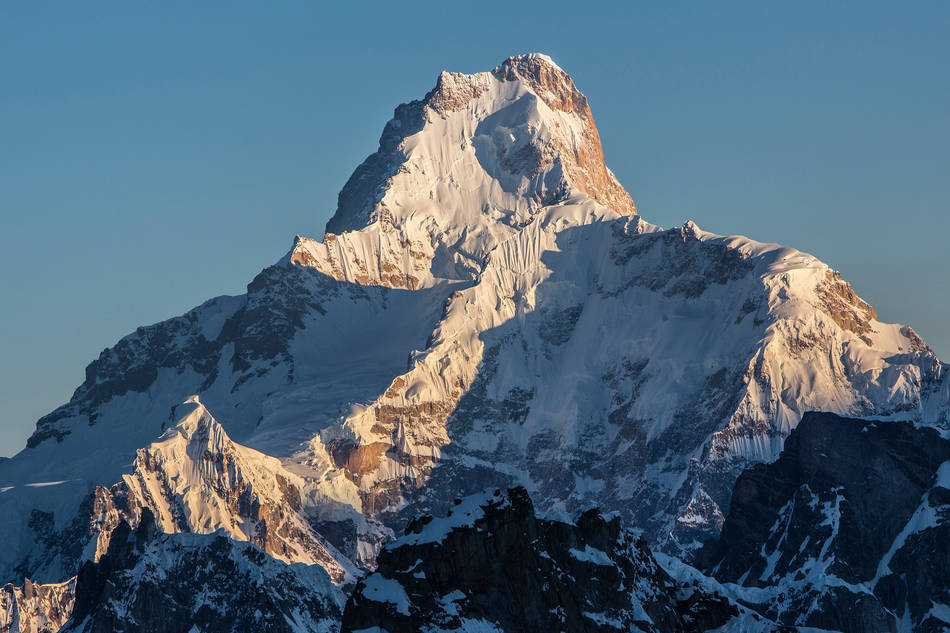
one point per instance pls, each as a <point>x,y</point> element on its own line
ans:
<point>276,365</point>
<point>486,307</point>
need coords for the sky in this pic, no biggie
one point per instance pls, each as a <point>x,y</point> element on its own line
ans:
<point>153,155</point>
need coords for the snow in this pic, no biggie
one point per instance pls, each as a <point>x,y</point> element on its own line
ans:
<point>200,468</point>
<point>592,555</point>
<point>784,517</point>
<point>168,555</point>
<point>923,518</point>
<point>747,620</point>
<point>939,611</point>
<point>448,602</point>
<point>603,620</point>
<point>34,607</point>
<point>381,589</point>
<point>469,625</point>
<point>465,514</point>
<point>541,56</point>
<point>753,623</point>
<point>943,475</point>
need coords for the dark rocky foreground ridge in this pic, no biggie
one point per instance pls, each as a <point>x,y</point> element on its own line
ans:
<point>493,565</point>
<point>171,583</point>
<point>848,530</point>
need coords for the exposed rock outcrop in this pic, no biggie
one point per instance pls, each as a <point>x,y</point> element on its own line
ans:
<point>36,608</point>
<point>847,530</point>
<point>492,565</point>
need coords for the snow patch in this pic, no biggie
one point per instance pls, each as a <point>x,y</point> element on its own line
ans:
<point>381,589</point>
<point>592,555</point>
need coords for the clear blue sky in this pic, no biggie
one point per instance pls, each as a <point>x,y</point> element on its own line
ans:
<point>153,155</point>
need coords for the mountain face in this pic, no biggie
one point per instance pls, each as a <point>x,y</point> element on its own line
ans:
<point>486,310</point>
<point>848,530</point>
<point>492,565</point>
<point>463,170</point>
<point>195,479</point>
<point>35,608</point>
<point>173,583</point>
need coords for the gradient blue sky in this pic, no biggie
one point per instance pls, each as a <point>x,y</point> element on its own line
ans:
<point>157,154</point>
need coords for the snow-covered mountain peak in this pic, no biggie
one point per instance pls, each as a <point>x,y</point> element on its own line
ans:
<point>196,479</point>
<point>546,78</point>
<point>539,59</point>
<point>196,427</point>
<point>464,169</point>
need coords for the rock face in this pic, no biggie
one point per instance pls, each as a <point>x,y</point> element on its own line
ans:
<point>176,583</point>
<point>492,565</point>
<point>847,530</point>
<point>35,608</point>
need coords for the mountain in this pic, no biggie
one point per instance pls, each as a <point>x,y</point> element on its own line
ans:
<point>35,608</point>
<point>492,565</point>
<point>195,479</point>
<point>485,310</point>
<point>463,170</point>
<point>848,530</point>
<point>166,583</point>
